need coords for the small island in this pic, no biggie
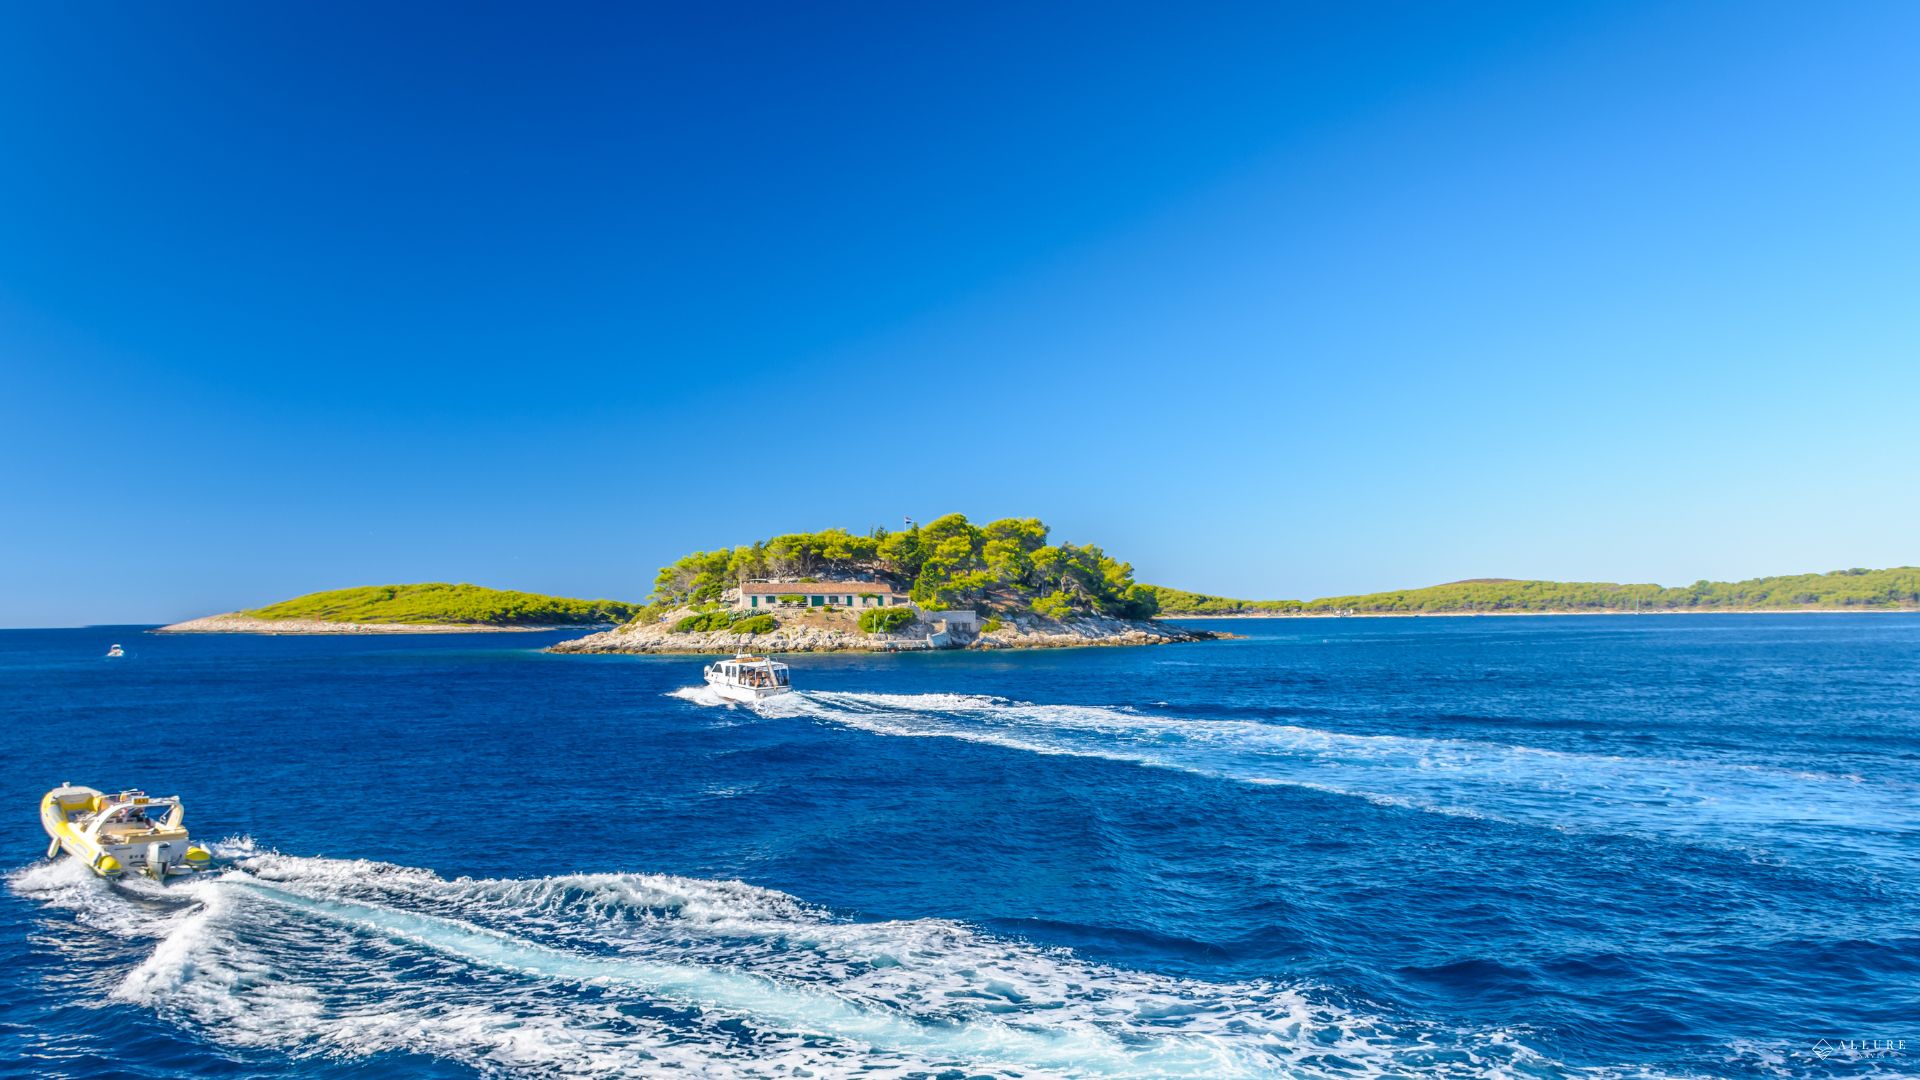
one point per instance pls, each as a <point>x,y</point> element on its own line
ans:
<point>429,608</point>
<point>948,584</point>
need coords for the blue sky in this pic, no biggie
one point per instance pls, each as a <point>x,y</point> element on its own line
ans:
<point>1275,301</point>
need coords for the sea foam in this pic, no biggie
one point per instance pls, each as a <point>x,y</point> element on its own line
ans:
<point>1734,804</point>
<point>605,974</point>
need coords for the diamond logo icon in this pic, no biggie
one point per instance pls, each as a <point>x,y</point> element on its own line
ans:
<point>1822,1049</point>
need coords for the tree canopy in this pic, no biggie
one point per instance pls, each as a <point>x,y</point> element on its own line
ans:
<point>1004,566</point>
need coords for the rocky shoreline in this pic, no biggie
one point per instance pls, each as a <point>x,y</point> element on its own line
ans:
<point>1013,632</point>
<point>236,623</point>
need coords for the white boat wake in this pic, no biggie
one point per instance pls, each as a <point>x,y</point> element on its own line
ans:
<point>611,974</point>
<point>1734,804</point>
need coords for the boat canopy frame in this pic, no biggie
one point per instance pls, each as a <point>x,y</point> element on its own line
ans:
<point>116,810</point>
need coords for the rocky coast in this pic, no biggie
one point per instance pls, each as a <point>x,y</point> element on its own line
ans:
<point>840,633</point>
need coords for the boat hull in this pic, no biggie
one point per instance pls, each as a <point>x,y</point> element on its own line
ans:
<point>746,695</point>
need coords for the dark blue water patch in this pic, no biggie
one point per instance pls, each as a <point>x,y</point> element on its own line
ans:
<point>1660,843</point>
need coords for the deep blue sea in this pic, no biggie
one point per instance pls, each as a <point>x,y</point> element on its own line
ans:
<point>1531,847</point>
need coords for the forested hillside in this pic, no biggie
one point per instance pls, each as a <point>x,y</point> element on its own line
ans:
<point>1008,565</point>
<point>437,602</point>
<point>1898,587</point>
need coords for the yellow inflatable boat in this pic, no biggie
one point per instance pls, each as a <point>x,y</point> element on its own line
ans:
<point>117,834</point>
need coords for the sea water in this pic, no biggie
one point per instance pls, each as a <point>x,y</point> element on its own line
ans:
<point>1526,847</point>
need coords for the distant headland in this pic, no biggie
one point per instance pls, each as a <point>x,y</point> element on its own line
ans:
<point>1895,589</point>
<point>430,608</point>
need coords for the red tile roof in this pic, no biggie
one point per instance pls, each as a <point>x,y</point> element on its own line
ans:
<point>814,588</point>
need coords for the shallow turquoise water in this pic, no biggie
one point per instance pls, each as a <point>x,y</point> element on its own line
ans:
<point>1471,847</point>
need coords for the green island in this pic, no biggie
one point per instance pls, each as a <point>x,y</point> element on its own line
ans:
<point>1005,566</point>
<point>949,583</point>
<point>1892,589</point>
<point>430,607</point>
<point>439,602</point>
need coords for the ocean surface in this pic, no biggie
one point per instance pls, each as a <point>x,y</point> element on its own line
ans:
<point>1528,847</point>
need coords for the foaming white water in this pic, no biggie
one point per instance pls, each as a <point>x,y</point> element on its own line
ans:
<point>1703,800</point>
<point>613,974</point>
<point>700,695</point>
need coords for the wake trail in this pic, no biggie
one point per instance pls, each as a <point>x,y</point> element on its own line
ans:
<point>610,974</point>
<point>1729,803</point>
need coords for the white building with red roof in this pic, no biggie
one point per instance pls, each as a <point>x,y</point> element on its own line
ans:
<point>763,595</point>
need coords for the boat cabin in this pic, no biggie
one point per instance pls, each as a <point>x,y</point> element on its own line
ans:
<point>752,672</point>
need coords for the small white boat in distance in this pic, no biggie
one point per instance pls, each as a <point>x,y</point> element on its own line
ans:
<point>116,651</point>
<point>748,678</point>
<point>114,834</point>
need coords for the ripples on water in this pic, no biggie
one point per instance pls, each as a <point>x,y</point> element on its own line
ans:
<point>1605,847</point>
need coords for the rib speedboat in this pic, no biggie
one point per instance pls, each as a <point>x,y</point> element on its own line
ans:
<point>116,651</point>
<point>115,834</point>
<point>748,678</point>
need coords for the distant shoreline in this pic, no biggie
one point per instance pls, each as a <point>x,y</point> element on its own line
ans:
<point>1476,614</point>
<point>236,623</point>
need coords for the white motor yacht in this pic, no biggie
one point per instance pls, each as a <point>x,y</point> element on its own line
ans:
<point>748,678</point>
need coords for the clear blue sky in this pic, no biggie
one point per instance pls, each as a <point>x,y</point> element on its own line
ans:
<point>1273,300</point>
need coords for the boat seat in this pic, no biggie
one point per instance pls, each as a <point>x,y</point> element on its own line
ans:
<point>140,834</point>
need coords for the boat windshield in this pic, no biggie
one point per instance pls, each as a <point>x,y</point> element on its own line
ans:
<point>135,817</point>
<point>757,675</point>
